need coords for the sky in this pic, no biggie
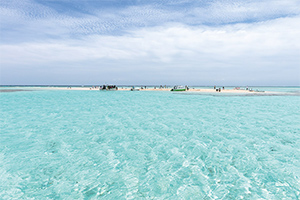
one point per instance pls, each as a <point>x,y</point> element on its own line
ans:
<point>150,42</point>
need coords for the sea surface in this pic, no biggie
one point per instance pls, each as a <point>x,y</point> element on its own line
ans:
<point>57,144</point>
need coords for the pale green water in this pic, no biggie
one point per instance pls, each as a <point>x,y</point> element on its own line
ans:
<point>148,145</point>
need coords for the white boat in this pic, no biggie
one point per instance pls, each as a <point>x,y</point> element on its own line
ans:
<point>178,88</point>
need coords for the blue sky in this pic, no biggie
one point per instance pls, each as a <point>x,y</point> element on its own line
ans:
<point>221,42</point>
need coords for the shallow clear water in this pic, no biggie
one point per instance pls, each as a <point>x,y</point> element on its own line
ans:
<point>148,145</point>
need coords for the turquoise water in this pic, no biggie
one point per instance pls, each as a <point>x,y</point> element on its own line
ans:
<point>148,145</point>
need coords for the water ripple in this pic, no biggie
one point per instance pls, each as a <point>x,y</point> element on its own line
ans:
<point>148,145</point>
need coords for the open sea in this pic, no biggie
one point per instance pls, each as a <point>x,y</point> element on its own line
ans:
<point>64,144</point>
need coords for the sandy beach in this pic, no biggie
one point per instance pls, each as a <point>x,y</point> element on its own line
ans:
<point>196,90</point>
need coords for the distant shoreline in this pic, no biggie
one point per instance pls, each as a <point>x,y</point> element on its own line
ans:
<point>191,89</point>
<point>139,85</point>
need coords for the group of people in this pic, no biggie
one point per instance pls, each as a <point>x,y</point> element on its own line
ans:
<point>108,87</point>
<point>218,89</point>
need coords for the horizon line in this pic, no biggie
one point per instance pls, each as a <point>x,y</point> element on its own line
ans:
<point>148,85</point>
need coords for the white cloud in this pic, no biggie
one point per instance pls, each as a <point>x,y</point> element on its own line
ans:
<point>29,17</point>
<point>262,39</point>
<point>266,47</point>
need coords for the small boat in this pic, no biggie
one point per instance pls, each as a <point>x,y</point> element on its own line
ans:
<point>178,88</point>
